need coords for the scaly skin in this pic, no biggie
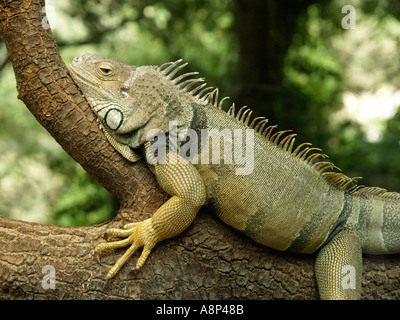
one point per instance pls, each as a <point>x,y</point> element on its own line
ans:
<point>284,199</point>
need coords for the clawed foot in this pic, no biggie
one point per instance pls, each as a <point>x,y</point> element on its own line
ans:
<point>139,234</point>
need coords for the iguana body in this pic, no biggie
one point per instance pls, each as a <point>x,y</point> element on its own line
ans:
<point>285,199</point>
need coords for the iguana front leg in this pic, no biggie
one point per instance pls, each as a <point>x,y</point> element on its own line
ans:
<point>182,181</point>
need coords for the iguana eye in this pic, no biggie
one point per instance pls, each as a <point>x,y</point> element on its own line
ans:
<point>113,119</point>
<point>106,69</point>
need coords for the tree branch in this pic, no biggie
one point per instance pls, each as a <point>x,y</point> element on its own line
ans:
<point>208,261</point>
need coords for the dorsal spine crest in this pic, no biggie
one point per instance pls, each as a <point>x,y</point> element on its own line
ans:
<point>209,95</point>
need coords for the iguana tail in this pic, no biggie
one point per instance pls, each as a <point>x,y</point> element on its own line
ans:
<point>375,215</point>
<point>369,223</point>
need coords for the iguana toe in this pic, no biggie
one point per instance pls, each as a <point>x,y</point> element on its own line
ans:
<point>137,235</point>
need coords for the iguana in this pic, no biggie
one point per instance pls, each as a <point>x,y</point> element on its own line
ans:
<point>285,198</point>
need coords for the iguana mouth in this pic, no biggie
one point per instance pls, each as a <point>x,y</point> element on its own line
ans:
<point>82,77</point>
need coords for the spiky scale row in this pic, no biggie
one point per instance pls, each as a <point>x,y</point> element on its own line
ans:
<point>200,92</point>
<point>339,179</point>
<point>375,191</point>
<point>210,95</point>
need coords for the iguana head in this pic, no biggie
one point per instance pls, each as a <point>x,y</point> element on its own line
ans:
<point>129,101</point>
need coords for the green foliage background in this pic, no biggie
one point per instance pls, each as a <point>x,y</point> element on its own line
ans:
<point>39,182</point>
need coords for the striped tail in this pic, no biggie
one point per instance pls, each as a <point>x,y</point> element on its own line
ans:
<point>374,215</point>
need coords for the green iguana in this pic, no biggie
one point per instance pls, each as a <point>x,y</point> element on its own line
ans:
<point>281,197</point>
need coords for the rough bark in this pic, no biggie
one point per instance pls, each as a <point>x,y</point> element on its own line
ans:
<point>208,261</point>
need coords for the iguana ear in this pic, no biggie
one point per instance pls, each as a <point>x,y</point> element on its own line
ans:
<point>113,119</point>
<point>123,149</point>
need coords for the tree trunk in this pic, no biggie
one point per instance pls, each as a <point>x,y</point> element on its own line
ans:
<point>265,30</point>
<point>208,261</point>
